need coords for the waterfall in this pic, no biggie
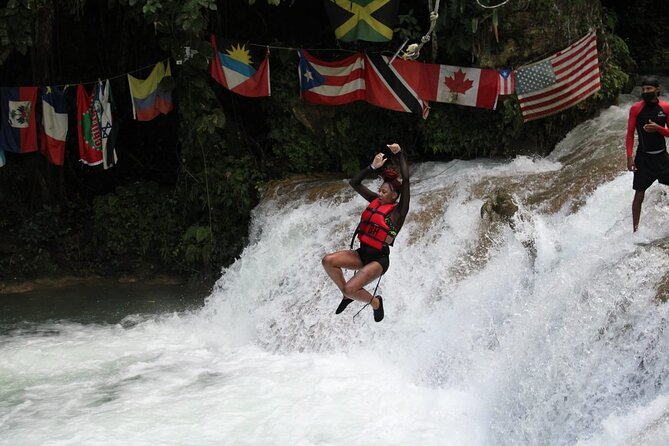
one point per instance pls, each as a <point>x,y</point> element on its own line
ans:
<point>541,326</point>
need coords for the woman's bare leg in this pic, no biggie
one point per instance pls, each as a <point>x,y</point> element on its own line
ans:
<point>353,289</point>
<point>334,262</point>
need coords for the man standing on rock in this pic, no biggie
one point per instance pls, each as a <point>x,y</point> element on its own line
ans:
<point>649,118</point>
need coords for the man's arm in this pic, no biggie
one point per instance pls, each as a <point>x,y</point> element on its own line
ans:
<point>631,127</point>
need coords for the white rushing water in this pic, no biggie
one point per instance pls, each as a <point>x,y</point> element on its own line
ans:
<point>544,331</point>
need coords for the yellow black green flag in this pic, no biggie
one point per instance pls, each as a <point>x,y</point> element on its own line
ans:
<point>370,20</point>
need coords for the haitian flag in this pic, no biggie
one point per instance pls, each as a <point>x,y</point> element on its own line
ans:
<point>54,125</point>
<point>239,68</point>
<point>151,96</point>
<point>370,20</point>
<point>18,132</point>
<point>332,83</point>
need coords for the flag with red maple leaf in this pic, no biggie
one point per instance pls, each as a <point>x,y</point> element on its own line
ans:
<point>474,87</point>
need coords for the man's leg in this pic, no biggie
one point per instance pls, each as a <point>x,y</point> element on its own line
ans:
<point>636,208</point>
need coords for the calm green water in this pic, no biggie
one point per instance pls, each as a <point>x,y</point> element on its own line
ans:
<point>95,303</point>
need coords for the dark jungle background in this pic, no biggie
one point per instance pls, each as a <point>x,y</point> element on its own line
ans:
<point>180,198</point>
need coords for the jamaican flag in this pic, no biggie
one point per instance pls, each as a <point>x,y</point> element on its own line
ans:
<point>369,20</point>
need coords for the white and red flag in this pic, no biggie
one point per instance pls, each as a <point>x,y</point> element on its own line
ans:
<point>474,87</point>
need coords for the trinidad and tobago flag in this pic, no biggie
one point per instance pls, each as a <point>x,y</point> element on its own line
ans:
<point>395,86</point>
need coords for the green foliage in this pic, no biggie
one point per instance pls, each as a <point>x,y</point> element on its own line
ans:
<point>136,219</point>
<point>39,228</point>
<point>16,27</point>
<point>456,131</point>
<point>408,27</point>
<point>196,245</point>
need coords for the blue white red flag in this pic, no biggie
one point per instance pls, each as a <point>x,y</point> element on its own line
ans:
<point>332,83</point>
<point>506,81</point>
<point>54,128</point>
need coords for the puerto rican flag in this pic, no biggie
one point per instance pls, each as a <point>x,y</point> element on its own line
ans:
<point>332,83</point>
<point>506,81</point>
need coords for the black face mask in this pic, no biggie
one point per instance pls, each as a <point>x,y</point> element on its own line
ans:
<point>649,96</point>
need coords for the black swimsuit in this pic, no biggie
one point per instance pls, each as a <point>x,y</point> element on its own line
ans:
<point>368,255</point>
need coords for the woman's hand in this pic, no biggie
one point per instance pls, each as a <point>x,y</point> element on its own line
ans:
<point>379,160</point>
<point>395,148</point>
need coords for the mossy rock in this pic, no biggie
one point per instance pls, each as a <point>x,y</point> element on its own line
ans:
<point>499,205</point>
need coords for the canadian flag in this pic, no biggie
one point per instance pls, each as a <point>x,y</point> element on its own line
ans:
<point>474,87</point>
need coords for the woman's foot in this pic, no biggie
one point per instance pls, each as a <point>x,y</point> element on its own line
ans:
<point>378,312</point>
<point>343,304</point>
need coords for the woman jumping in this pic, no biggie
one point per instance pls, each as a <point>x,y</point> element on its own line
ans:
<point>378,227</point>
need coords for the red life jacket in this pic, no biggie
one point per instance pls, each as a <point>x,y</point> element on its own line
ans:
<point>373,229</point>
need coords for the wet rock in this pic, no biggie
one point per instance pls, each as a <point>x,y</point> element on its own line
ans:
<point>499,206</point>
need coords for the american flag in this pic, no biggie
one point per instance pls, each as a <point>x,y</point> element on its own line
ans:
<point>506,81</point>
<point>560,81</point>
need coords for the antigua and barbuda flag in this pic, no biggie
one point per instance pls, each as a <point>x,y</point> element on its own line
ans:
<point>151,96</point>
<point>18,132</point>
<point>54,125</point>
<point>240,68</point>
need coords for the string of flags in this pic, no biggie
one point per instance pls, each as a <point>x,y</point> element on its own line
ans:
<point>97,128</point>
<point>543,88</point>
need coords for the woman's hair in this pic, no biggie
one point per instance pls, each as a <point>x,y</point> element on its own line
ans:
<point>391,177</point>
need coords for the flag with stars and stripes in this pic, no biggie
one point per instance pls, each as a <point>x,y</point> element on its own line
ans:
<point>560,81</point>
<point>506,81</point>
<point>332,83</point>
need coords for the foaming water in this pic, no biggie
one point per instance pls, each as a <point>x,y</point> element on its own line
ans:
<point>544,328</point>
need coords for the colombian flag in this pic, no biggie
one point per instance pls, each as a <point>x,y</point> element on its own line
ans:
<point>18,132</point>
<point>150,96</point>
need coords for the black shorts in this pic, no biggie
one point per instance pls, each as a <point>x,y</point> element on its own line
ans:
<point>650,168</point>
<point>368,255</point>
